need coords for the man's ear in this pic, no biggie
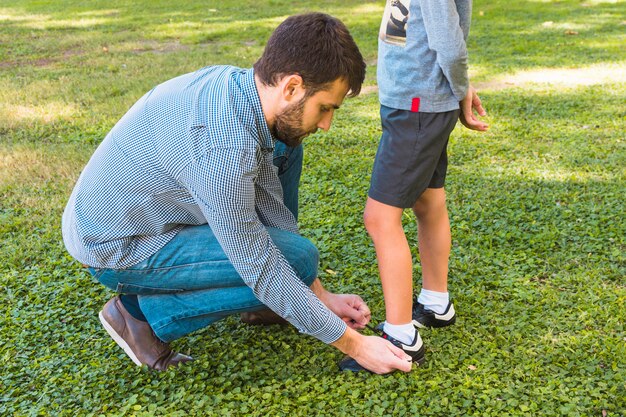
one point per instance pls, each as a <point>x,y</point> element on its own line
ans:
<point>292,87</point>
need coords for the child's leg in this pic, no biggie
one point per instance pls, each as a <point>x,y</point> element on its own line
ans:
<point>384,224</point>
<point>434,239</point>
<point>434,246</point>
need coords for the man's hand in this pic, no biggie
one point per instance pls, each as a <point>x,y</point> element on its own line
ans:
<point>373,353</point>
<point>468,118</point>
<point>349,307</point>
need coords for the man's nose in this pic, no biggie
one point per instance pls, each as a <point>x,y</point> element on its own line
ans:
<point>324,124</point>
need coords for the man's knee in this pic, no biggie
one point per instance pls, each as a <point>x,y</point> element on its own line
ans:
<point>299,251</point>
<point>104,277</point>
<point>303,256</point>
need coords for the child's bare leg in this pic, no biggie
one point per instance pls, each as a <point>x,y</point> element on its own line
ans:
<point>384,225</point>
<point>434,240</point>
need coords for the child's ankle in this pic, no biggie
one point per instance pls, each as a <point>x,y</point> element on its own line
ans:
<point>405,333</point>
<point>434,300</point>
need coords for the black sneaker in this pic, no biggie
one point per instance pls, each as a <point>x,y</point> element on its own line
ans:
<point>423,317</point>
<point>415,350</point>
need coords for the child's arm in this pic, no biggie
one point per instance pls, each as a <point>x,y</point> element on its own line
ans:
<point>446,36</point>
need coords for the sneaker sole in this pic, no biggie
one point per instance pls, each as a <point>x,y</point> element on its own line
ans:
<point>421,358</point>
<point>436,325</point>
<point>118,339</point>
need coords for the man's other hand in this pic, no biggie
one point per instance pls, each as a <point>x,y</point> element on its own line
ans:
<point>350,308</point>
<point>373,353</point>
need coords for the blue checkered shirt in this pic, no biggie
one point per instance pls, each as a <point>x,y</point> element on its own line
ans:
<point>194,150</point>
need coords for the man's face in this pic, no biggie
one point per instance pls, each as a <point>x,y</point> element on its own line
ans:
<point>300,119</point>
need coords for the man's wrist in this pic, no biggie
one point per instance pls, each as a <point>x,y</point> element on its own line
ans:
<point>319,290</point>
<point>350,342</point>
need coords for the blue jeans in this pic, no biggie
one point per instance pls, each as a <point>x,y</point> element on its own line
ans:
<point>190,283</point>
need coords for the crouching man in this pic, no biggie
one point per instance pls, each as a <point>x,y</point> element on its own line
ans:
<point>188,207</point>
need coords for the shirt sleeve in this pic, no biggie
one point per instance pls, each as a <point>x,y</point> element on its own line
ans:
<point>447,37</point>
<point>222,183</point>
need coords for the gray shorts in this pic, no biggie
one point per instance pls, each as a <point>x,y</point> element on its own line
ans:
<point>411,155</point>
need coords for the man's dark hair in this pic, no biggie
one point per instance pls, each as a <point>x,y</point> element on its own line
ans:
<point>316,46</point>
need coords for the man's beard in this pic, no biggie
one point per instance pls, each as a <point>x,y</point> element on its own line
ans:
<point>288,125</point>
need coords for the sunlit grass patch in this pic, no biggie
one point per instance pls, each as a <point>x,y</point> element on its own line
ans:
<point>16,115</point>
<point>31,164</point>
<point>20,16</point>
<point>537,79</point>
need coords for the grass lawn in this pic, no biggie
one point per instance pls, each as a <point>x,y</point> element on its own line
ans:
<point>536,205</point>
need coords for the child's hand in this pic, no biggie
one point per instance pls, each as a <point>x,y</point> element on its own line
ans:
<point>467,117</point>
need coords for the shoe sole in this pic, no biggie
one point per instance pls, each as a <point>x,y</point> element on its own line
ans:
<point>435,325</point>
<point>119,340</point>
<point>419,356</point>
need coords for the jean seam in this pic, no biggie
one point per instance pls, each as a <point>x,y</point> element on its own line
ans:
<point>155,290</point>
<point>173,267</point>
<point>196,313</point>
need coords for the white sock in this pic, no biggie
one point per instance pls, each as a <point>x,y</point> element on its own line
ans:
<point>405,333</point>
<point>434,301</point>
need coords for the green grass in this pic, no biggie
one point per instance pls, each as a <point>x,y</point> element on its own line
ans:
<point>536,204</point>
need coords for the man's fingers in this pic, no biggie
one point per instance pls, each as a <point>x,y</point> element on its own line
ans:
<point>402,360</point>
<point>355,317</point>
<point>399,353</point>
<point>353,324</point>
<point>360,312</point>
<point>405,366</point>
<point>363,308</point>
<point>380,356</point>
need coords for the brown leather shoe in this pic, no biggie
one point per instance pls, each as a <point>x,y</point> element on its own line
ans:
<point>137,338</point>
<point>262,317</point>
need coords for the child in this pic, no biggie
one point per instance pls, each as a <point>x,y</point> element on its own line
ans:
<point>424,89</point>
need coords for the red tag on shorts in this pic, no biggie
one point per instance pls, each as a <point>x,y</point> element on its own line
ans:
<point>415,105</point>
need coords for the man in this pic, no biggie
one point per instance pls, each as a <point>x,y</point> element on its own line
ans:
<point>181,208</point>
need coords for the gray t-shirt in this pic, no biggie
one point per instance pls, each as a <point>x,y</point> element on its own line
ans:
<point>422,55</point>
